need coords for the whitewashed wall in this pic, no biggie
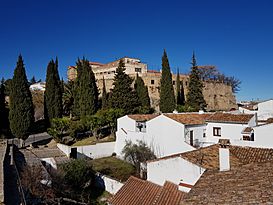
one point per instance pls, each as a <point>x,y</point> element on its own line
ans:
<point>3,149</point>
<point>111,185</point>
<point>246,111</point>
<point>198,131</point>
<point>164,135</point>
<point>175,170</point>
<point>98,150</point>
<point>265,110</point>
<point>228,131</point>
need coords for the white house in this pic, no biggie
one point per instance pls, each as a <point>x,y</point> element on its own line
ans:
<point>38,86</point>
<point>228,126</point>
<point>265,110</point>
<point>166,134</point>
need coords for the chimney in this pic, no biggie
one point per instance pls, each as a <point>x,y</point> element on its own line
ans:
<point>224,162</point>
<point>201,112</point>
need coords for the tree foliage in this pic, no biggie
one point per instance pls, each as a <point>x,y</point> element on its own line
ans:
<point>104,97</point>
<point>167,98</point>
<point>59,128</point>
<point>123,96</point>
<point>21,114</point>
<point>53,93</point>
<point>137,153</point>
<point>68,98</point>
<point>211,73</point>
<point>4,121</point>
<point>195,98</point>
<point>86,91</point>
<point>142,93</point>
<point>180,98</point>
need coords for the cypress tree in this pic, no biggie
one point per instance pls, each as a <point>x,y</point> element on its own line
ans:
<point>86,90</point>
<point>167,98</point>
<point>53,93</point>
<point>21,114</point>
<point>180,99</point>
<point>195,98</point>
<point>142,92</point>
<point>104,95</point>
<point>122,95</point>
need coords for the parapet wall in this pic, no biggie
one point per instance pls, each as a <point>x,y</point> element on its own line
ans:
<point>3,150</point>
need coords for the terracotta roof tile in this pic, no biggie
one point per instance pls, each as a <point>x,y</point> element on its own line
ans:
<point>139,117</point>
<point>227,117</point>
<point>208,157</point>
<point>139,192</point>
<point>189,118</point>
<point>247,130</point>
<point>247,184</point>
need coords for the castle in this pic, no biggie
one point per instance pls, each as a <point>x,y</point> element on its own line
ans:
<point>218,95</point>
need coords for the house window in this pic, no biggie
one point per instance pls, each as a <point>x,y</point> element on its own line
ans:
<point>217,131</point>
<point>152,82</point>
<point>141,126</point>
<point>138,70</point>
<point>173,82</point>
<point>246,138</point>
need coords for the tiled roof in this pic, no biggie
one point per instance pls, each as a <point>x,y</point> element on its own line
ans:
<point>247,130</point>
<point>208,157</point>
<point>139,192</point>
<point>247,184</point>
<point>189,118</point>
<point>96,63</point>
<point>227,117</point>
<point>250,154</point>
<point>139,117</point>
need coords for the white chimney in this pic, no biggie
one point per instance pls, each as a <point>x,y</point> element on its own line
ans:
<point>224,162</point>
<point>201,112</point>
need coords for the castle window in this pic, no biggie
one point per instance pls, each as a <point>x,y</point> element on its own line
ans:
<point>138,70</point>
<point>152,82</point>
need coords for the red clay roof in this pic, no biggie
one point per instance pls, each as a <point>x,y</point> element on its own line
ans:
<point>139,117</point>
<point>247,130</point>
<point>230,118</point>
<point>189,118</point>
<point>208,157</point>
<point>139,192</point>
<point>247,184</point>
<point>96,63</point>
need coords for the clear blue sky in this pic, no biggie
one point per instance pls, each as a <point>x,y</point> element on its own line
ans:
<point>234,35</point>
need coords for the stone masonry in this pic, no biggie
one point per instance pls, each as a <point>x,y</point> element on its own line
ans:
<point>218,95</point>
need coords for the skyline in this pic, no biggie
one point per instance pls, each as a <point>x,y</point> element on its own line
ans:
<point>235,36</point>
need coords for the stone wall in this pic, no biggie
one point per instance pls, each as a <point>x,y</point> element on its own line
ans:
<point>3,149</point>
<point>218,96</point>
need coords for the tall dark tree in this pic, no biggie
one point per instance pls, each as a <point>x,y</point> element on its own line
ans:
<point>142,92</point>
<point>68,98</point>
<point>195,98</point>
<point>104,97</point>
<point>180,99</point>
<point>122,95</point>
<point>53,93</point>
<point>21,114</point>
<point>167,98</point>
<point>86,90</point>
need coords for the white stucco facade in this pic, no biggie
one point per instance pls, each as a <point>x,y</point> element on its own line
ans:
<point>176,170</point>
<point>265,110</point>
<point>163,135</point>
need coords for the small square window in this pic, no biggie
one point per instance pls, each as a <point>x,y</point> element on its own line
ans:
<point>217,131</point>
<point>152,82</point>
<point>246,138</point>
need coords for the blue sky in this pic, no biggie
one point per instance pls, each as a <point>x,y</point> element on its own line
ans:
<point>234,35</point>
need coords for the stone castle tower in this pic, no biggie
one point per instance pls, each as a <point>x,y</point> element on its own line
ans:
<point>218,95</point>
